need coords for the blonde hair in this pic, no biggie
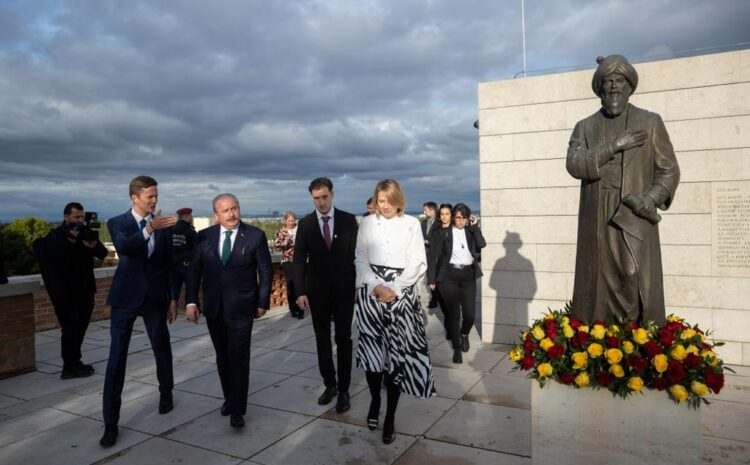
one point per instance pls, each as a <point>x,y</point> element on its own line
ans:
<point>393,194</point>
<point>288,214</point>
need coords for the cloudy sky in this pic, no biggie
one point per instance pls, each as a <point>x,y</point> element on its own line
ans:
<point>258,97</point>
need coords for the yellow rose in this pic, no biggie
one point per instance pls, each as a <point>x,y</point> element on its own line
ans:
<point>699,388</point>
<point>673,318</point>
<point>566,320</point>
<point>613,330</point>
<point>580,360</point>
<point>678,352</point>
<point>546,344</point>
<point>523,336</point>
<point>537,332</point>
<point>516,354</point>
<point>568,331</point>
<point>628,347</point>
<point>710,357</point>
<point>544,369</point>
<point>687,334</point>
<point>635,383</point>
<point>598,332</point>
<point>582,379</point>
<point>660,363</point>
<point>693,350</point>
<point>614,356</point>
<point>678,392</point>
<point>617,370</point>
<point>549,316</point>
<point>595,350</point>
<point>583,329</point>
<point>640,336</point>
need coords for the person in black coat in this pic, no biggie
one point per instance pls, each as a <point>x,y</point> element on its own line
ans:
<point>66,261</point>
<point>324,276</point>
<point>453,268</point>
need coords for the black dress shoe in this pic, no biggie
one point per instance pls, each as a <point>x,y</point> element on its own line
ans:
<point>327,396</point>
<point>165,403</point>
<point>76,371</point>
<point>464,343</point>
<point>457,358</point>
<point>342,402</point>
<point>88,368</point>
<point>389,432</point>
<point>373,414</point>
<point>300,315</point>
<point>236,421</point>
<point>110,435</point>
<point>224,409</point>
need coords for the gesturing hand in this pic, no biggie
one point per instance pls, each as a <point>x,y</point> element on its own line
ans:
<point>161,222</point>
<point>629,139</point>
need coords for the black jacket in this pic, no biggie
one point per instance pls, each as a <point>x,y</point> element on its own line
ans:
<point>319,272</point>
<point>68,267</point>
<point>441,248</point>
<point>183,241</point>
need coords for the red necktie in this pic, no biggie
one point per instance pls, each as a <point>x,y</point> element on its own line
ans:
<point>327,231</point>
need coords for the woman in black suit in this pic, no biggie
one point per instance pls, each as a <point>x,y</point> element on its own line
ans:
<point>437,231</point>
<point>453,269</point>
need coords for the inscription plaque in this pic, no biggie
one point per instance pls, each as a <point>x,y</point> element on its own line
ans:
<point>730,227</point>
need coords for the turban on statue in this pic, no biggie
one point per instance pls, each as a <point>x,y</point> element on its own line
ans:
<point>613,64</point>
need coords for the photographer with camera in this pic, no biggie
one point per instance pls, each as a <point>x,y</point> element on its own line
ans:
<point>65,258</point>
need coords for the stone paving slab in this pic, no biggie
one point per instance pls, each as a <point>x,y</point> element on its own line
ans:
<point>492,427</point>
<point>38,384</point>
<point>284,339</point>
<point>285,362</point>
<point>296,394</point>
<point>438,453</point>
<point>726,420</point>
<point>182,372</point>
<point>142,413</point>
<point>497,389</point>
<point>453,383</point>
<point>479,358</point>
<point>135,365</point>
<point>18,429</point>
<point>358,374</point>
<point>76,442</point>
<point>6,401</point>
<point>263,427</point>
<point>325,442</point>
<point>90,405</point>
<point>717,451</point>
<point>159,451</point>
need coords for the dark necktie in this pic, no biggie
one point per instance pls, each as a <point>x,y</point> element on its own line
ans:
<point>226,248</point>
<point>143,226</point>
<point>327,231</point>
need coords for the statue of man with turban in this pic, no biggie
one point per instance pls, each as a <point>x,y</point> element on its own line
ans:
<point>627,167</point>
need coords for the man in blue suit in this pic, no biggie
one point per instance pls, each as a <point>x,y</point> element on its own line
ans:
<point>142,287</point>
<point>231,263</point>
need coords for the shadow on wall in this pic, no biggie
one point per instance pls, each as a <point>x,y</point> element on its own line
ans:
<point>514,281</point>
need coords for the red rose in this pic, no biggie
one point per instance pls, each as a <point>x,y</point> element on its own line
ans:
<point>527,363</point>
<point>613,342</point>
<point>714,381</point>
<point>603,378</point>
<point>599,322</point>
<point>674,326</point>
<point>550,327</point>
<point>637,363</point>
<point>575,324</point>
<point>529,346</point>
<point>659,383</point>
<point>555,351</point>
<point>653,349</point>
<point>692,360</point>
<point>634,326</point>
<point>580,339</point>
<point>666,337</point>
<point>675,372</point>
<point>567,378</point>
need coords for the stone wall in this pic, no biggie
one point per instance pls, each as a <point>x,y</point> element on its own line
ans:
<point>529,202</point>
<point>17,350</point>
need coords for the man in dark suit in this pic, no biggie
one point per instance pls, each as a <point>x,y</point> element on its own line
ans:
<point>66,260</point>
<point>232,264</point>
<point>141,286</point>
<point>324,272</point>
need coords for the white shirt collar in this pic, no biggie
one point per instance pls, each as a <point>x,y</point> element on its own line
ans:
<point>138,217</point>
<point>321,215</point>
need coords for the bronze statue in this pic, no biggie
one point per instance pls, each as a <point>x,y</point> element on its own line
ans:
<point>627,167</point>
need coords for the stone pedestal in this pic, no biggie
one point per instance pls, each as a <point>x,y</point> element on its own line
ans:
<point>588,427</point>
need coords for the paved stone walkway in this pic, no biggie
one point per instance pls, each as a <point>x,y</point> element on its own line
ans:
<point>480,416</point>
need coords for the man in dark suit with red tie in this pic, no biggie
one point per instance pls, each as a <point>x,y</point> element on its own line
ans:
<point>141,286</point>
<point>231,264</point>
<point>324,272</point>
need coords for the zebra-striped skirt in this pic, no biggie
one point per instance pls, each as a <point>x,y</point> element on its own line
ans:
<point>392,338</point>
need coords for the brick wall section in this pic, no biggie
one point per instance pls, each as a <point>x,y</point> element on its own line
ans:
<point>17,350</point>
<point>44,313</point>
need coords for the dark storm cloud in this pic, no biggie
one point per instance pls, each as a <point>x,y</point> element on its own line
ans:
<point>258,97</point>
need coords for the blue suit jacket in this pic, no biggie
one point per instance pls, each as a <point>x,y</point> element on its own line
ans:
<point>240,287</point>
<point>137,275</point>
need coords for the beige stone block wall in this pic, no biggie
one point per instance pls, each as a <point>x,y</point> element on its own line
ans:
<point>525,125</point>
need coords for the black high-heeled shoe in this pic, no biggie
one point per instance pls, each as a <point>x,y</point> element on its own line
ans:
<point>373,414</point>
<point>389,431</point>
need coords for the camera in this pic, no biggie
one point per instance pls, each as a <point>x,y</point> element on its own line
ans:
<point>85,233</point>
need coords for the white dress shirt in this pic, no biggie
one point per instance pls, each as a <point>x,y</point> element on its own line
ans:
<point>146,235</point>
<point>460,254</point>
<point>222,236</point>
<point>396,243</point>
<point>321,222</point>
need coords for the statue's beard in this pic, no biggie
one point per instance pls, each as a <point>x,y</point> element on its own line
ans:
<point>614,104</point>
